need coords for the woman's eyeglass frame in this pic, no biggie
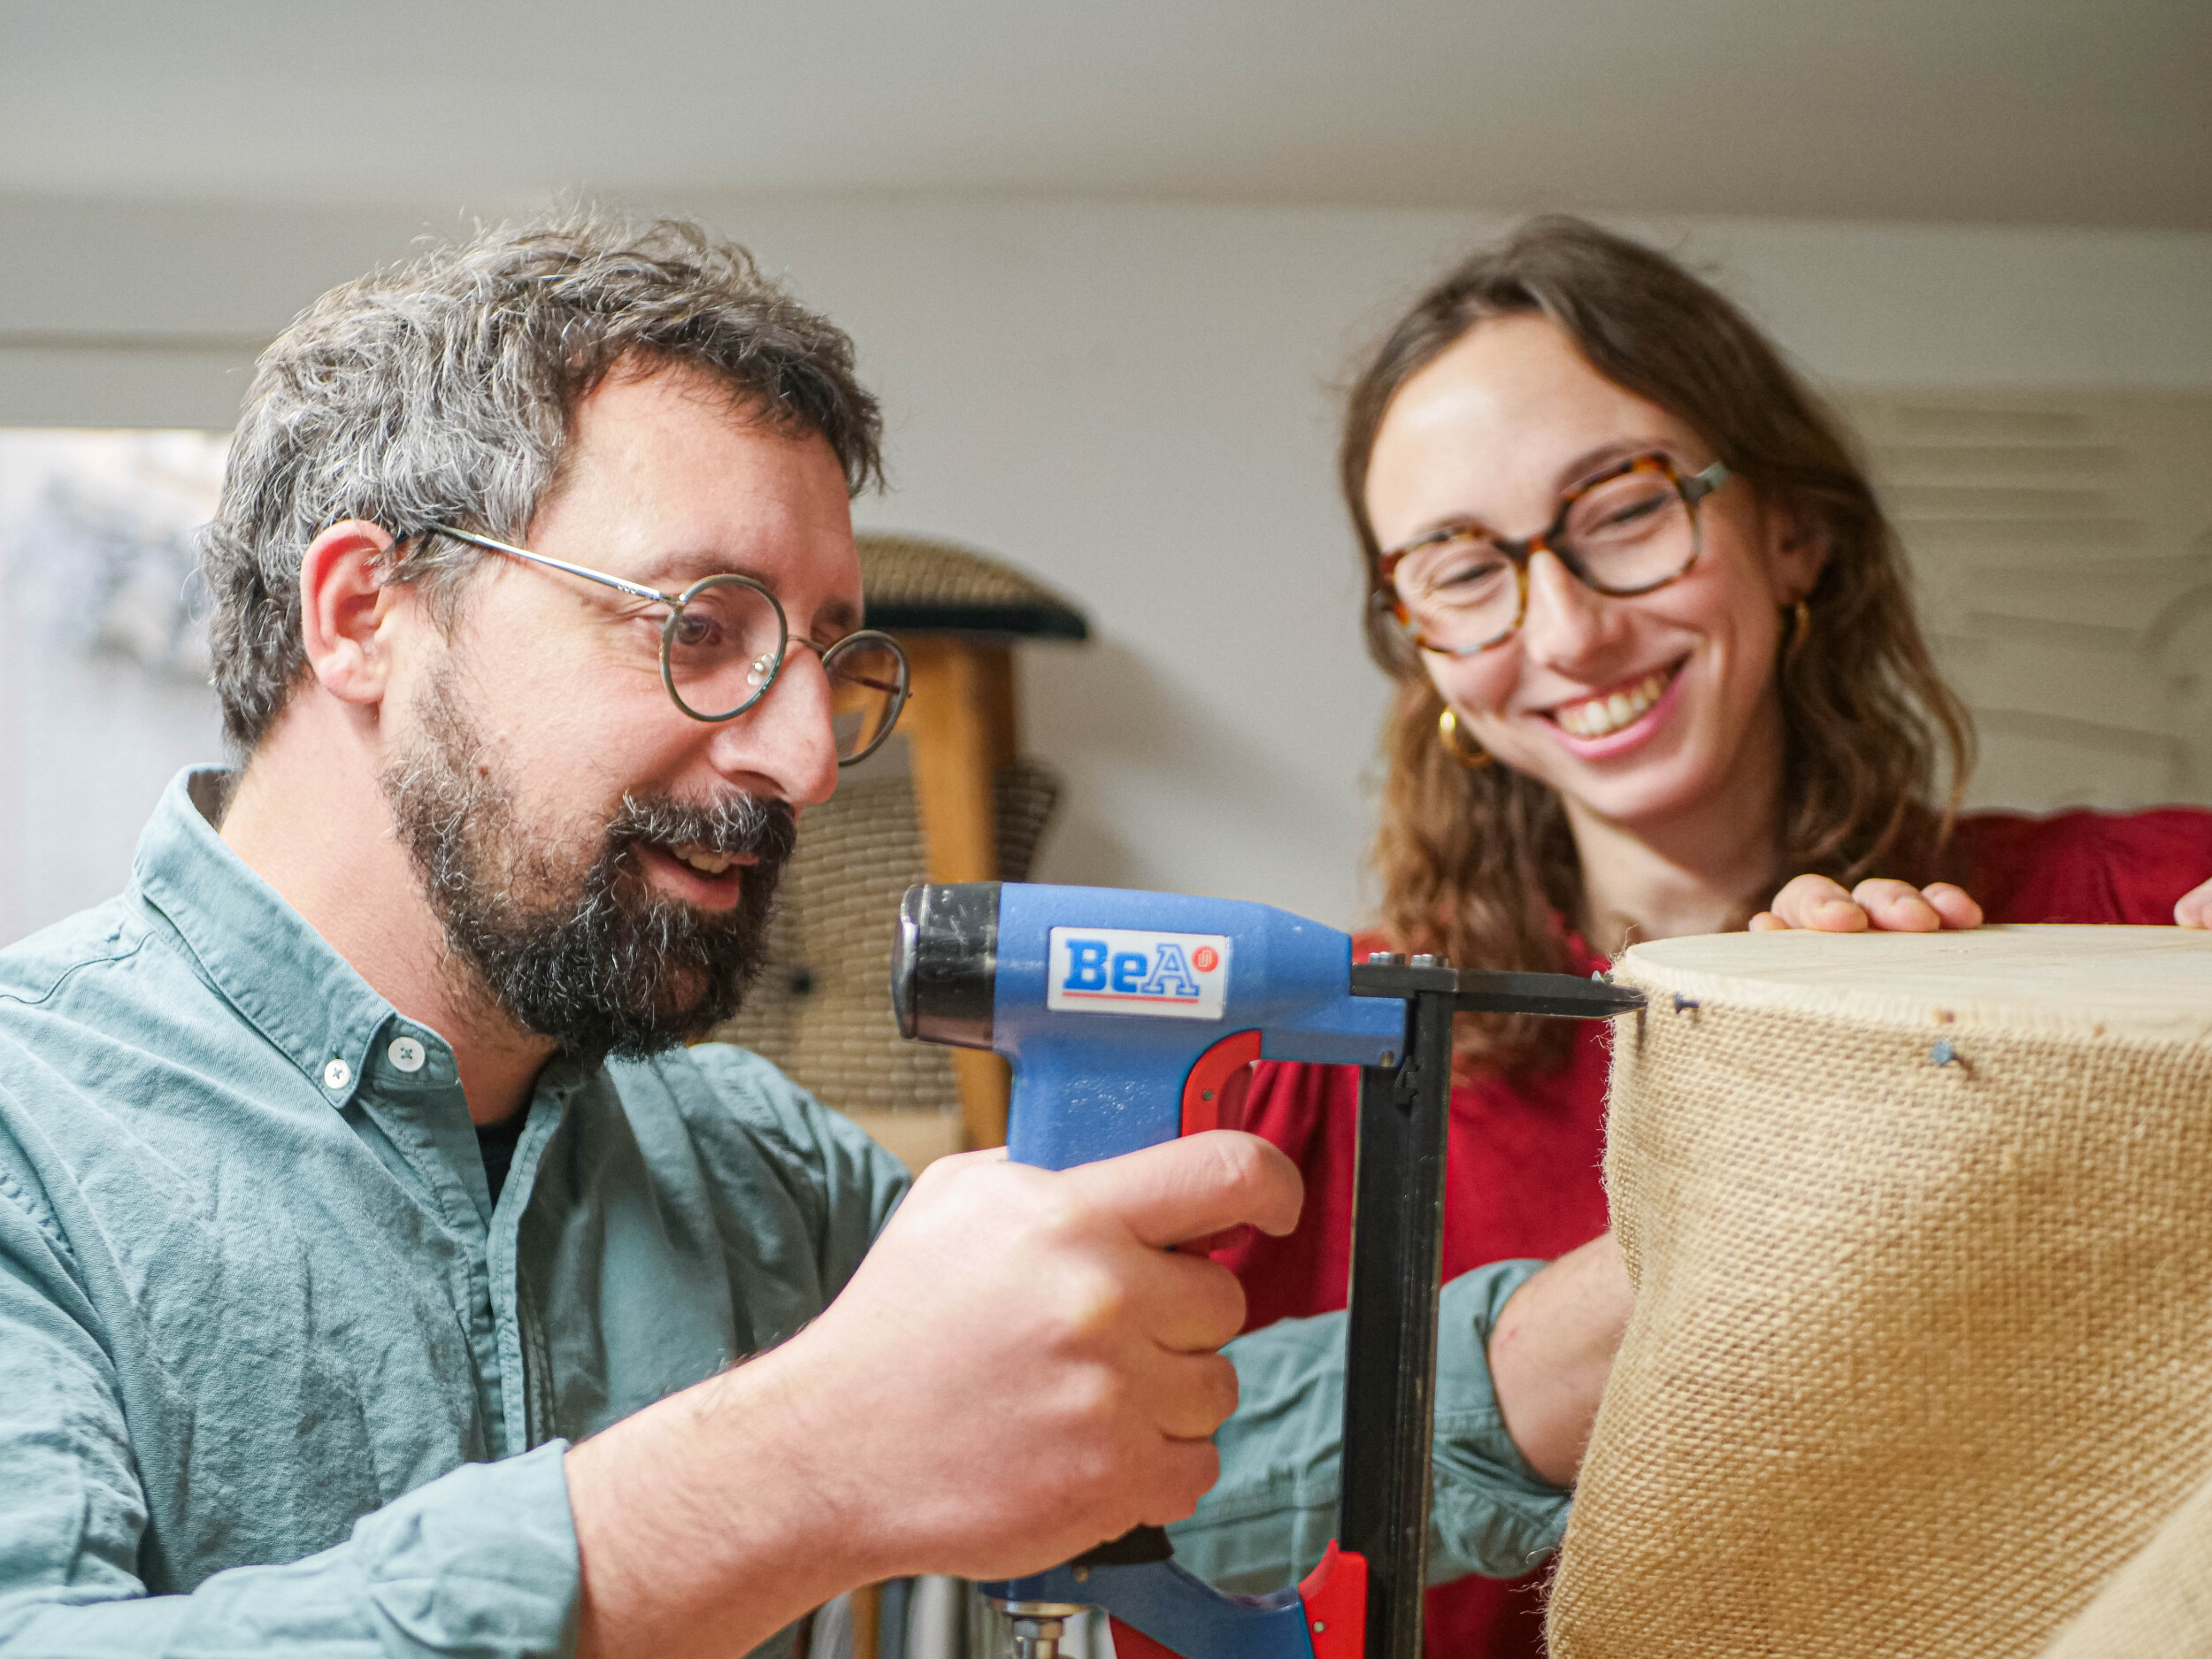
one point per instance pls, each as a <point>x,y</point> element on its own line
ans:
<point>1693,488</point>
<point>676,603</point>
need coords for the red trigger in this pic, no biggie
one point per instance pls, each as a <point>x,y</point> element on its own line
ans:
<point>1213,1093</point>
<point>1335,1595</point>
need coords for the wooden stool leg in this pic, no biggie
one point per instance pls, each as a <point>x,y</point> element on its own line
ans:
<point>994,693</point>
<point>867,1603</point>
<point>958,718</point>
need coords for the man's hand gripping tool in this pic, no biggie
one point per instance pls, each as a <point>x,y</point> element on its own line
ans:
<point>1129,1018</point>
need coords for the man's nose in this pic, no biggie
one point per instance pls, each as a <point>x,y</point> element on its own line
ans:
<point>785,740</point>
<point>1568,624</point>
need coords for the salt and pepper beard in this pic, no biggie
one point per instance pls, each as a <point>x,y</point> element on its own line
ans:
<point>575,944</point>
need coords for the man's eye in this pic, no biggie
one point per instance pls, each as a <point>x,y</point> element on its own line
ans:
<point>697,629</point>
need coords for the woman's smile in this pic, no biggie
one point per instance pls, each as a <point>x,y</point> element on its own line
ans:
<point>1618,717</point>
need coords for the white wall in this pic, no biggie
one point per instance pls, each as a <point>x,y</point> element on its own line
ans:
<point>1135,401</point>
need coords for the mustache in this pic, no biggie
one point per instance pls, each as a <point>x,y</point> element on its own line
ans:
<point>738,826</point>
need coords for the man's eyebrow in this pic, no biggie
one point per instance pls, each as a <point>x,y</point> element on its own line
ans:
<point>672,573</point>
<point>836,616</point>
<point>677,571</point>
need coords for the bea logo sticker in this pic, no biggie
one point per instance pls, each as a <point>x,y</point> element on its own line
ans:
<point>1120,970</point>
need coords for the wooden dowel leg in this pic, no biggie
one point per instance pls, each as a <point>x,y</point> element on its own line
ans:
<point>959,717</point>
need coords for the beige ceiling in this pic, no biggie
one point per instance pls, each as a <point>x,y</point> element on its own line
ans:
<point>2050,111</point>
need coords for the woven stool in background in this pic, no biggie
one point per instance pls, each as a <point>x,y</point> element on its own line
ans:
<point>821,1010</point>
<point>947,799</point>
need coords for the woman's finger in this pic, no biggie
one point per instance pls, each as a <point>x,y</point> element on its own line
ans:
<point>1953,903</point>
<point>1896,907</point>
<point>2195,907</point>
<point>1818,902</point>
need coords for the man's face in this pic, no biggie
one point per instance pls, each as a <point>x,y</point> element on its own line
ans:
<point>602,864</point>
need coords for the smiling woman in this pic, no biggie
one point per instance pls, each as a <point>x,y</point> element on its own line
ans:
<point>1654,653</point>
<point>1687,707</point>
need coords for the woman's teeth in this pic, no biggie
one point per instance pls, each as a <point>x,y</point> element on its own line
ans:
<point>1601,716</point>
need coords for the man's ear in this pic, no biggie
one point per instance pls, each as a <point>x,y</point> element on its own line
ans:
<point>344,601</point>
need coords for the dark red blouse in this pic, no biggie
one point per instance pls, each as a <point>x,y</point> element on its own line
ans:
<point>1522,1178</point>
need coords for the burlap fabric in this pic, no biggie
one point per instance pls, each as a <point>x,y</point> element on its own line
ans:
<point>2161,1602</point>
<point>1920,1229</point>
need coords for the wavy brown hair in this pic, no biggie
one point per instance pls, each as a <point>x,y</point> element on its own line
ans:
<point>1479,866</point>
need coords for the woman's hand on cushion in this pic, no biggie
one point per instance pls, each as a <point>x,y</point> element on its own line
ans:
<point>1823,906</point>
<point>2195,907</point>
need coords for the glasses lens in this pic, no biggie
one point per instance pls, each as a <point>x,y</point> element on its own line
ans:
<point>1459,592</point>
<point>1630,533</point>
<point>867,676</point>
<point>724,647</point>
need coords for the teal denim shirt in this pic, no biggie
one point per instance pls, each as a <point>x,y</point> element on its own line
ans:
<point>277,1376</point>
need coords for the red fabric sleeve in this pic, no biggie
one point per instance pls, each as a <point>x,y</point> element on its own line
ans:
<point>2093,867</point>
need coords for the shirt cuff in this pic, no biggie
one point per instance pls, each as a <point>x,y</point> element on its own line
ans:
<point>482,1560</point>
<point>480,1563</point>
<point>1274,1508</point>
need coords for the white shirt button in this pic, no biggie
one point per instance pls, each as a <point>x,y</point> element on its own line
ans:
<point>337,1074</point>
<point>407,1053</point>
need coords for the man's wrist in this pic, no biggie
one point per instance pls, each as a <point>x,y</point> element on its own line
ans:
<point>706,1519</point>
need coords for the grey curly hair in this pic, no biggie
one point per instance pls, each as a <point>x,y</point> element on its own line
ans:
<point>442,392</point>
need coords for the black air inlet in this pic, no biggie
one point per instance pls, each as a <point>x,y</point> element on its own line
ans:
<point>944,963</point>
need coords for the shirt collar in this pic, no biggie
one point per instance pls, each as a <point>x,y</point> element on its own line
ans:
<point>259,952</point>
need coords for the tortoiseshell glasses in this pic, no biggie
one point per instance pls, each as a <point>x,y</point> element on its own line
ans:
<point>1630,530</point>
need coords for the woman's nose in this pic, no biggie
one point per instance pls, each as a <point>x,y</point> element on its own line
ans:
<point>1568,624</point>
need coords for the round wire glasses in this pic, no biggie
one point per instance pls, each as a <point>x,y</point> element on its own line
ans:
<point>724,643</point>
<point>1631,529</point>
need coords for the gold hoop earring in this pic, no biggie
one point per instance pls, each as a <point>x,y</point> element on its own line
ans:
<point>1801,626</point>
<point>1458,745</point>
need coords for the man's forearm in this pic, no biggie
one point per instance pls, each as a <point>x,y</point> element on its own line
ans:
<point>1017,1370</point>
<point>1551,1351</point>
<point>697,1527</point>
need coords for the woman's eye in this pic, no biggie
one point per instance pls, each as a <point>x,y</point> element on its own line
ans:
<point>1624,512</point>
<point>1466,568</point>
